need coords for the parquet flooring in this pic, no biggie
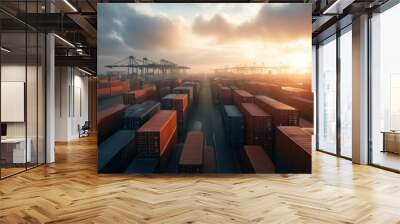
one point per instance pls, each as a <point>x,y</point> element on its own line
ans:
<point>70,191</point>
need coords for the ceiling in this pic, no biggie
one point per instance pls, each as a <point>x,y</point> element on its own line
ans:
<point>76,22</point>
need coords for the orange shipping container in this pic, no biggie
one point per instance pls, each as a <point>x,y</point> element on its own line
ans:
<point>157,136</point>
<point>256,160</point>
<point>191,160</point>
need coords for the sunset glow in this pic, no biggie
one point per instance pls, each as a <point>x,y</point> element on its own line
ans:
<point>207,36</point>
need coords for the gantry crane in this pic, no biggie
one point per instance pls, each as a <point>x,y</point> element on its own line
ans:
<point>147,68</point>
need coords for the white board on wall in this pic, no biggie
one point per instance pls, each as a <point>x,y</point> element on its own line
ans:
<point>12,101</point>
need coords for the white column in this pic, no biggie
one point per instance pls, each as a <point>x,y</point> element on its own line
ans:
<point>50,92</point>
<point>360,90</point>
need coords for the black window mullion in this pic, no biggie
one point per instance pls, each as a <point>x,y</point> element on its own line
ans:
<point>26,86</point>
<point>338,77</point>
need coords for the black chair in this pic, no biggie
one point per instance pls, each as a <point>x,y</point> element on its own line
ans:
<point>84,130</point>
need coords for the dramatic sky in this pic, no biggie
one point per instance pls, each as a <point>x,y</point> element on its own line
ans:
<point>206,36</point>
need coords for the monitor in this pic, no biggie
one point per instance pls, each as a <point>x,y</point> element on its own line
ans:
<point>3,129</point>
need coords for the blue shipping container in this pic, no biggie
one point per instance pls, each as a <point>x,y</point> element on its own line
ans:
<point>136,115</point>
<point>234,126</point>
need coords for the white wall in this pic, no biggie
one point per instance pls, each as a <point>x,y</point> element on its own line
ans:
<point>70,84</point>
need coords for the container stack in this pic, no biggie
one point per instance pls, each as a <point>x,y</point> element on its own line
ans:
<point>136,115</point>
<point>225,95</point>
<point>293,150</point>
<point>305,106</point>
<point>242,96</point>
<point>196,89</point>
<point>234,126</point>
<point>191,160</point>
<point>109,121</point>
<point>115,153</point>
<point>140,95</point>
<point>283,114</point>
<point>157,137</point>
<point>256,160</point>
<point>180,103</point>
<point>258,126</point>
<point>270,90</point>
<point>188,90</point>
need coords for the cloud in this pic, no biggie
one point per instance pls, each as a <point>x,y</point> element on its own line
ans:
<point>274,22</point>
<point>138,30</point>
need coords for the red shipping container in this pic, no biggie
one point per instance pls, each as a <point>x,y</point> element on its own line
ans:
<point>256,160</point>
<point>191,160</point>
<point>109,121</point>
<point>282,114</point>
<point>258,126</point>
<point>153,138</point>
<point>242,96</point>
<point>270,90</point>
<point>305,106</point>
<point>102,92</point>
<point>293,149</point>
<point>209,165</point>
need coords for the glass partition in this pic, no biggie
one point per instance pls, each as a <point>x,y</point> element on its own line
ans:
<point>14,153</point>
<point>385,89</point>
<point>327,95</point>
<point>22,92</point>
<point>346,93</point>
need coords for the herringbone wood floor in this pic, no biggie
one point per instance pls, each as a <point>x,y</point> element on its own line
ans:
<point>70,191</point>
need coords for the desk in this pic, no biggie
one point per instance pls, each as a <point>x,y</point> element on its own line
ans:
<point>391,141</point>
<point>13,150</point>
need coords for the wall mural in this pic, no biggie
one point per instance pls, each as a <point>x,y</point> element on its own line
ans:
<point>204,88</point>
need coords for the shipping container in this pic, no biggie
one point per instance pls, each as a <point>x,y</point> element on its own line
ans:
<point>234,126</point>
<point>175,102</point>
<point>293,150</point>
<point>163,91</point>
<point>115,153</point>
<point>180,103</point>
<point>271,90</point>
<point>191,160</point>
<point>282,114</point>
<point>143,165</point>
<point>258,126</point>
<point>225,95</point>
<point>157,137</point>
<point>209,165</point>
<point>214,92</point>
<point>242,96</point>
<point>196,88</point>
<point>136,115</point>
<point>305,106</point>
<point>103,92</point>
<point>188,90</point>
<point>292,91</point>
<point>256,160</point>
<point>308,130</point>
<point>109,121</point>
<point>140,95</point>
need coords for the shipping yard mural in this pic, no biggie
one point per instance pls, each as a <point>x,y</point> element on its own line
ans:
<point>204,88</point>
